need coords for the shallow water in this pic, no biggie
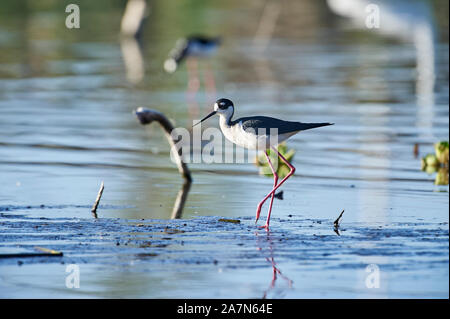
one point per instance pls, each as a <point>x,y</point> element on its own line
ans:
<point>179,258</point>
<point>66,124</point>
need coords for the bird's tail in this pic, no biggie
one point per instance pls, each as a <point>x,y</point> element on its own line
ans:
<point>307,126</point>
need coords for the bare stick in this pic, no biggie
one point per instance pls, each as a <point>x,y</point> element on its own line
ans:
<point>133,18</point>
<point>180,200</point>
<point>147,116</point>
<point>97,201</point>
<point>336,222</point>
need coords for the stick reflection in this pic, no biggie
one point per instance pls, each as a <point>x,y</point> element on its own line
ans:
<point>147,116</point>
<point>135,14</point>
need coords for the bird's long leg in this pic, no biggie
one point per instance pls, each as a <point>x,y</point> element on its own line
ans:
<point>275,181</point>
<point>258,209</point>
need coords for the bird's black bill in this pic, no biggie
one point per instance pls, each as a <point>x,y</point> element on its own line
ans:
<point>206,117</point>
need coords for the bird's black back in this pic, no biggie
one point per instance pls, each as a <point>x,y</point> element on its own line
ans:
<point>204,40</point>
<point>266,123</point>
<point>181,49</point>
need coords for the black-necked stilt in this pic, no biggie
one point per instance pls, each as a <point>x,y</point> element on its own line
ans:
<point>259,132</point>
<point>190,49</point>
<point>195,46</point>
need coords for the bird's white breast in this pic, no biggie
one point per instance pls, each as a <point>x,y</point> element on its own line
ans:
<point>249,139</point>
<point>246,139</point>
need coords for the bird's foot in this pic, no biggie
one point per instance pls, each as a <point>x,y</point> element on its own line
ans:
<point>266,227</point>
<point>258,212</point>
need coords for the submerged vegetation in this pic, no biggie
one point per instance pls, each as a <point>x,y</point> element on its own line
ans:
<point>281,168</point>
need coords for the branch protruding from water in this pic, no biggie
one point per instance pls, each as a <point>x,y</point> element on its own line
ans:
<point>180,200</point>
<point>97,200</point>
<point>336,223</point>
<point>146,116</point>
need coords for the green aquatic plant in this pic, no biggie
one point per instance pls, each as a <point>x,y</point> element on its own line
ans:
<point>441,150</point>
<point>430,162</point>
<point>437,162</point>
<point>281,168</point>
<point>442,176</point>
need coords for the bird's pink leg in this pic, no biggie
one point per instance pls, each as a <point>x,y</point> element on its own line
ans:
<point>258,209</point>
<point>275,181</point>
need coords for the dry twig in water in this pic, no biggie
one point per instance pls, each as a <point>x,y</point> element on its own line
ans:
<point>97,201</point>
<point>336,222</point>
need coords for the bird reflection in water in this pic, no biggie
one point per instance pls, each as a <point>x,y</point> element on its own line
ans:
<point>268,241</point>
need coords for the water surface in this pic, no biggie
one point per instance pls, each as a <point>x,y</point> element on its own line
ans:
<point>66,124</point>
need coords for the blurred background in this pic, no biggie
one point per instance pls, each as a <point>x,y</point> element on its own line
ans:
<point>67,98</point>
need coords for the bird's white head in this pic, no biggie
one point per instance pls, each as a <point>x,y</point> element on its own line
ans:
<point>222,107</point>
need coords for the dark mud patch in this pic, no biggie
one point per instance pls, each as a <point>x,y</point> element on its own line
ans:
<point>207,240</point>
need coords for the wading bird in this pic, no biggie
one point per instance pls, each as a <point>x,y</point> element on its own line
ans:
<point>191,49</point>
<point>193,46</point>
<point>259,132</point>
